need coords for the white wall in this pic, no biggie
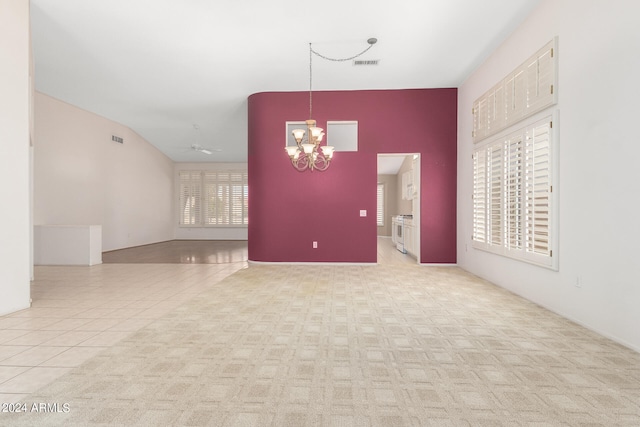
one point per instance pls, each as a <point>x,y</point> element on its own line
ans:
<point>205,233</point>
<point>15,234</point>
<point>82,177</point>
<point>599,178</point>
<point>391,196</point>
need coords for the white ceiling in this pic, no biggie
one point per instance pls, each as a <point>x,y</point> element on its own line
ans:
<point>161,66</point>
<point>389,164</point>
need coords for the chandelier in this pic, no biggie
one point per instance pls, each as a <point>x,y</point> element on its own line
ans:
<point>308,154</point>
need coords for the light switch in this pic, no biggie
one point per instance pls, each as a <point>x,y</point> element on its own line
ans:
<point>363,212</point>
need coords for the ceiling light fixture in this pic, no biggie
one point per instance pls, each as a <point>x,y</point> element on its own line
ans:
<point>308,154</point>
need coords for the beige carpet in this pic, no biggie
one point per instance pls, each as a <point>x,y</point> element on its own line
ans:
<point>352,346</point>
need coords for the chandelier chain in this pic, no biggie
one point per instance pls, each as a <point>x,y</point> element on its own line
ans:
<point>310,80</point>
<point>313,52</point>
<point>340,59</point>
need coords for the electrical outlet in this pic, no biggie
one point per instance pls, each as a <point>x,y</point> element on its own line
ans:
<point>363,212</point>
<point>315,245</point>
<point>578,281</point>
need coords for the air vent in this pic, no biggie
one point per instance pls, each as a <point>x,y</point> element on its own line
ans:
<point>117,139</point>
<point>366,61</point>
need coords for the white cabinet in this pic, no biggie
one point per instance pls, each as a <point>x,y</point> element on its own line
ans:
<point>409,237</point>
<point>411,181</point>
<point>394,230</point>
<point>409,187</point>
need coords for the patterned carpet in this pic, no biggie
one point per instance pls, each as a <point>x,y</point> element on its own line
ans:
<point>352,346</point>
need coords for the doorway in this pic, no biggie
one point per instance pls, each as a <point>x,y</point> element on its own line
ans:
<point>398,215</point>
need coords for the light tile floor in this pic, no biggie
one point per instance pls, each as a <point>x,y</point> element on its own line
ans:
<point>79,311</point>
<point>388,254</point>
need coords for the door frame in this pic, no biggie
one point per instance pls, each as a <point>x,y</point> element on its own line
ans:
<point>416,211</point>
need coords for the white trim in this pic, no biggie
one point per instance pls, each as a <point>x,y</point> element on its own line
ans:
<point>436,264</point>
<point>319,263</point>
<point>550,262</point>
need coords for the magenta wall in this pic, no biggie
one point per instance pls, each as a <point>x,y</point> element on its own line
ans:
<point>288,209</point>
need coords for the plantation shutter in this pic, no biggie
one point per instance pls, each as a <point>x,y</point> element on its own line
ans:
<point>528,89</point>
<point>237,198</point>
<point>212,204</point>
<point>494,188</point>
<point>538,189</point>
<point>480,196</point>
<point>519,97</point>
<point>483,115</point>
<point>190,198</point>
<point>540,79</point>
<point>380,206</point>
<point>514,181</point>
<point>227,198</point>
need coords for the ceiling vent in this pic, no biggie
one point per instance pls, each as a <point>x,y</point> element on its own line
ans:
<point>366,62</point>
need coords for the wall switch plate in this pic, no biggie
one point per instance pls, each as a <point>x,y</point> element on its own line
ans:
<point>363,212</point>
<point>315,245</point>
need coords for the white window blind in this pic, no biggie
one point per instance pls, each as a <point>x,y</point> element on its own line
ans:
<point>528,89</point>
<point>380,206</point>
<point>190,198</point>
<point>512,195</point>
<point>480,196</point>
<point>538,190</point>
<point>494,226</point>
<point>221,198</point>
<point>513,171</point>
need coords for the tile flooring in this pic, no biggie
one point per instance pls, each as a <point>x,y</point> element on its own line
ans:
<point>79,311</point>
<point>388,254</point>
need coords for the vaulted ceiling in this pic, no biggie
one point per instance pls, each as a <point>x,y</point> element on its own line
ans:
<point>162,66</point>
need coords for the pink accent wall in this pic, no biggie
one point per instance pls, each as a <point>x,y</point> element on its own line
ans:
<point>288,210</point>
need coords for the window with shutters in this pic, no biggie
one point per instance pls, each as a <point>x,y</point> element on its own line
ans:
<point>513,175</point>
<point>380,206</point>
<point>494,202</point>
<point>538,190</point>
<point>213,198</point>
<point>513,204</point>
<point>480,196</point>
<point>190,198</point>
<point>527,90</point>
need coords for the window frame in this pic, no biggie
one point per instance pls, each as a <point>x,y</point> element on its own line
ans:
<point>225,183</point>
<point>504,220</point>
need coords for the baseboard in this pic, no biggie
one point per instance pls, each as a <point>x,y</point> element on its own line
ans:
<point>312,263</point>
